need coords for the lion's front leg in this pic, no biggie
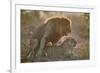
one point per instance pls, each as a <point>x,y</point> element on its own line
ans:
<point>42,46</point>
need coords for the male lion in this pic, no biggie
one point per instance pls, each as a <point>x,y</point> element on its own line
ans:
<point>51,31</point>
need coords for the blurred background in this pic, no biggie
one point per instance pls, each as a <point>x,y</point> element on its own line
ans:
<point>31,19</point>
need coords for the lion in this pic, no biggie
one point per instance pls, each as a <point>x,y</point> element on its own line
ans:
<point>51,31</point>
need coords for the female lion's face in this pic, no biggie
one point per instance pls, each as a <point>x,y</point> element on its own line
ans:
<point>69,43</point>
